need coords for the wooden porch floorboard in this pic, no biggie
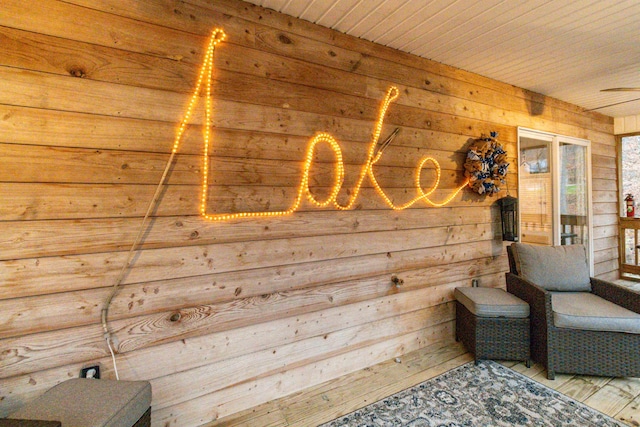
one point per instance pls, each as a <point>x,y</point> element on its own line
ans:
<point>616,397</point>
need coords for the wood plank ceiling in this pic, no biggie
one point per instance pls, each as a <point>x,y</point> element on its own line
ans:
<point>565,49</point>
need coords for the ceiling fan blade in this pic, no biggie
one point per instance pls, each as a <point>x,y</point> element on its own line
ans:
<point>613,105</point>
<point>621,89</point>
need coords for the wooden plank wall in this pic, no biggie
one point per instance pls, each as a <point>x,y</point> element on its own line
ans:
<point>91,95</point>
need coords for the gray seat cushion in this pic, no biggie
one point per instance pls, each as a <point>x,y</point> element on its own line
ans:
<point>555,268</point>
<point>82,402</point>
<point>491,302</point>
<point>586,311</point>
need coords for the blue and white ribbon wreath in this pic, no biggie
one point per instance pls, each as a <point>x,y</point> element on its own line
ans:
<point>486,165</point>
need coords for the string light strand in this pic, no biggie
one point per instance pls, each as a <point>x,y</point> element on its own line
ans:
<point>374,154</point>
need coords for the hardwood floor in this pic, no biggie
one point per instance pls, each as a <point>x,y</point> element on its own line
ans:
<point>616,397</point>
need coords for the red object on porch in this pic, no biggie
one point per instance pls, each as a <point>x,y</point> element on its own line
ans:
<point>631,206</point>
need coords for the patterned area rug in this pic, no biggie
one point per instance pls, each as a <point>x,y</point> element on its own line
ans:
<point>487,395</point>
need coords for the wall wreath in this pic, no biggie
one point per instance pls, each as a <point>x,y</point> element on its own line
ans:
<point>486,165</point>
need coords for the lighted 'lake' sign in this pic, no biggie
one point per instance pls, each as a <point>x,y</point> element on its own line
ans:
<point>304,192</point>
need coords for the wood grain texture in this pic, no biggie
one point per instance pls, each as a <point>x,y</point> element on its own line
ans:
<point>32,239</point>
<point>25,352</point>
<point>91,96</point>
<point>234,399</point>
<point>37,314</point>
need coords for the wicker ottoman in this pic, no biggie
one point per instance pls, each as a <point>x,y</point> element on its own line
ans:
<point>493,324</point>
<point>84,402</point>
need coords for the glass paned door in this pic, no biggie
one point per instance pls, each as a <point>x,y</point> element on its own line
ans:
<point>574,197</point>
<point>554,188</point>
<point>536,191</point>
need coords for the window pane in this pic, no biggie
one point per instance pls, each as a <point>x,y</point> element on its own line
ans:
<point>573,195</point>
<point>536,192</point>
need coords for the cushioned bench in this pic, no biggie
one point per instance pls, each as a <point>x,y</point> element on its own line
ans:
<point>492,324</point>
<point>84,402</point>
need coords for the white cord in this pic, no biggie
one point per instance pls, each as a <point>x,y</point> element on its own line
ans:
<point>113,357</point>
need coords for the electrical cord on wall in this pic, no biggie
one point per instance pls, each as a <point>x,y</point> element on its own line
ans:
<point>125,266</point>
<point>217,36</point>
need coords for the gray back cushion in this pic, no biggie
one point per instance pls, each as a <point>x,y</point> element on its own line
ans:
<point>555,268</point>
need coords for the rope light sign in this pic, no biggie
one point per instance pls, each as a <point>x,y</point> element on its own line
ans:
<point>373,156</point>
<point>304,192</point>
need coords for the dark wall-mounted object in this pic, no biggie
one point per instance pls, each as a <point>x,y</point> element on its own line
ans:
<point>509,217</point>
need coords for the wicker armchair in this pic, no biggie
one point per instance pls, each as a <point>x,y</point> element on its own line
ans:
<point>594,350</point>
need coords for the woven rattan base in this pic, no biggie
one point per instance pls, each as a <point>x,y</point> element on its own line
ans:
<point>498,338</point>
<point>145,420</point>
